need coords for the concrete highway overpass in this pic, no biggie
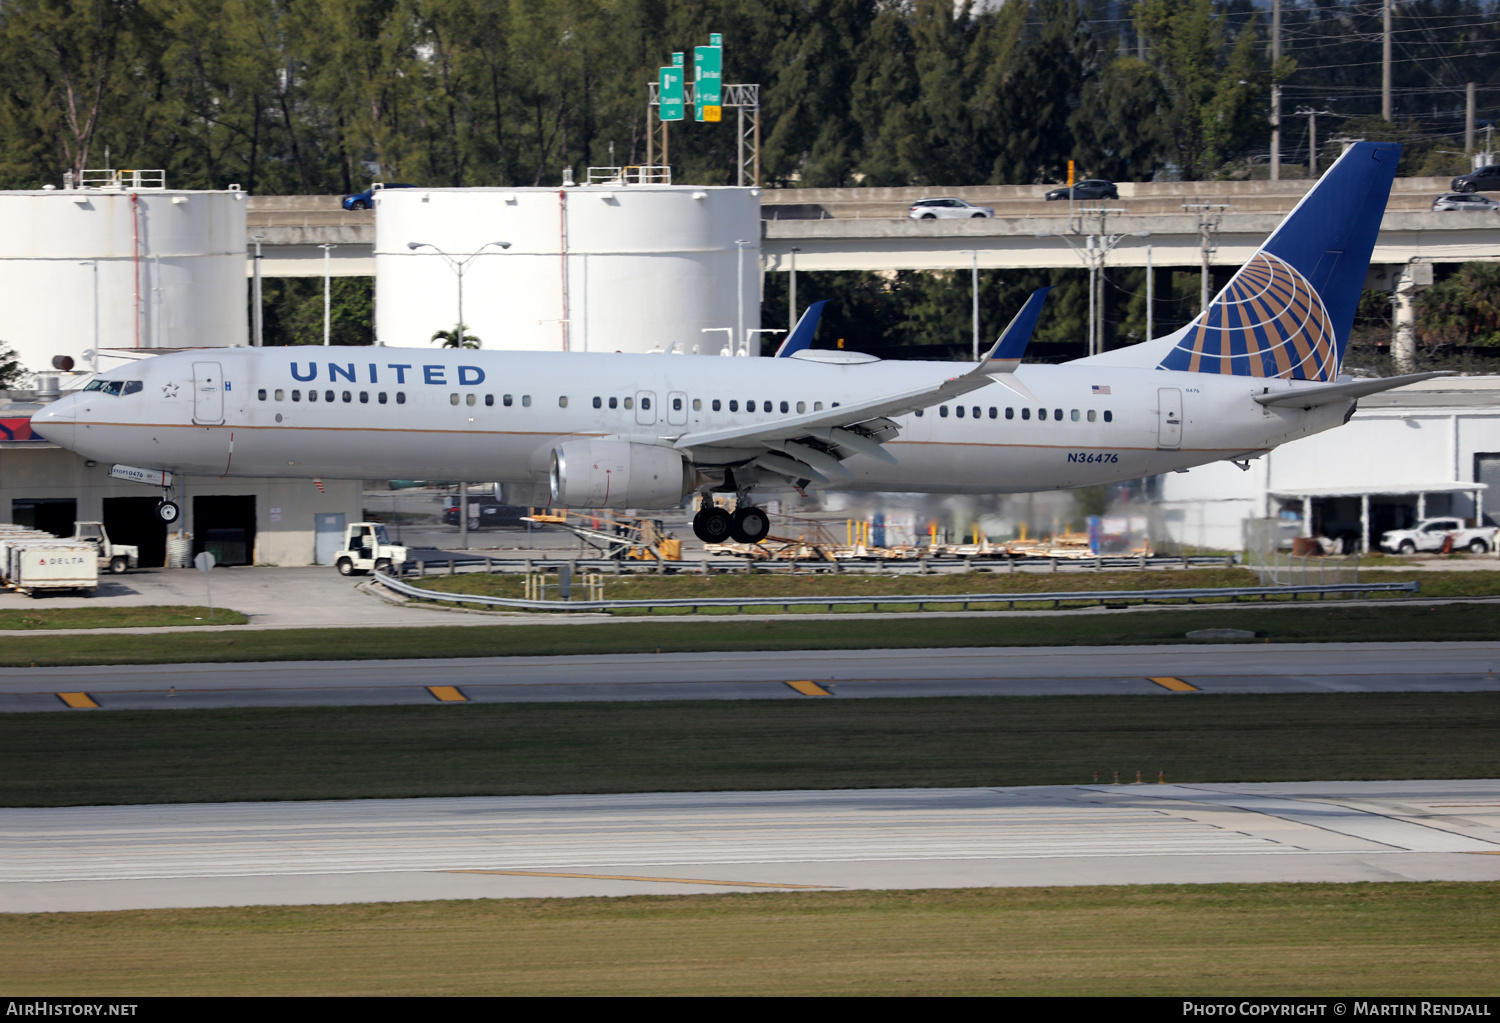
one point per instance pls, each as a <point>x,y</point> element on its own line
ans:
<point>867,228</point>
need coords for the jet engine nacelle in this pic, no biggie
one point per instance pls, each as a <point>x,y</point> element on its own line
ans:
<point>618,474</point>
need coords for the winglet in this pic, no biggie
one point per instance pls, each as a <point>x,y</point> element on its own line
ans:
<point>802,334</point>
<point>1012,342</point>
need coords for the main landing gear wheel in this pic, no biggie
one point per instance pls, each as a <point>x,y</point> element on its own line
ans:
<point>750,525</point>
<point>713,525</point>
<point>168,511</point>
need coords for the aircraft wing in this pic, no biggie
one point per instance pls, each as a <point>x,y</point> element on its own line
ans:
<point>811,446</point>
<point>1328,394</point>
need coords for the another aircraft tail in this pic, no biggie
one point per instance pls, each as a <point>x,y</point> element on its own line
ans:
<point>1287,313</point>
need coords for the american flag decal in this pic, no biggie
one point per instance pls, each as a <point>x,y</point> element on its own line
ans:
<point>319,484</point>
<point>1101,390</point>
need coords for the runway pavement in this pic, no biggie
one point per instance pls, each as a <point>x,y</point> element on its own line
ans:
<point>790,675</point>
<point>98,858</point>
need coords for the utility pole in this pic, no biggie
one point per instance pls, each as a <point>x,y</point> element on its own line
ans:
<point>1312,135</point>
<point>1469,119</point>
<point>1275,91</point>
<point>1385,63</point>
<point>1150,294</point>
<point>1210,214</point>
<point>1097,246</point>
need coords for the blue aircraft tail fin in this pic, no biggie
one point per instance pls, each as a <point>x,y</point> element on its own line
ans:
<point>802,334</point>
<point>1287,313</point>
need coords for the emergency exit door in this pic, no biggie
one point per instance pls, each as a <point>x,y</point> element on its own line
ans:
<point>1169,421</point>
<point>208,393</point>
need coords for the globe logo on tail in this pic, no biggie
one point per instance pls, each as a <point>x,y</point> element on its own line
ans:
<point>1268,322</point>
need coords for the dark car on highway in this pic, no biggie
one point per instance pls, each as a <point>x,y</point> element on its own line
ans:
<point>366,200</point>
<point>1093,188</point>
<point>1485,179</point>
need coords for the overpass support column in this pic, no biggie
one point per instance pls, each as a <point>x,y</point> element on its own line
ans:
<point>1404,314</point>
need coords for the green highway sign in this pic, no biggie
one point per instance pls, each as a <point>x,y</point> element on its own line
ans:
<point>708,79</point>
<point>671,103</point>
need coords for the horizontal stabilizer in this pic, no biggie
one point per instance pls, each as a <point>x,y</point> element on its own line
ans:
<point>1328,394</point>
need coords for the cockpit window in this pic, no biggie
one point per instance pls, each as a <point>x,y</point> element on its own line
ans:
<point>115,387</point>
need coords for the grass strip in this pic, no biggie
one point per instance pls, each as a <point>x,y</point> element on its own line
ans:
<point>1285,940</point>
<point>116,617</point>
<point>167,756</point>
<point>1309,622</point>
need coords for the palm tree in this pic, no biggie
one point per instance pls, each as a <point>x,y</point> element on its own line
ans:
<point>451,337</point>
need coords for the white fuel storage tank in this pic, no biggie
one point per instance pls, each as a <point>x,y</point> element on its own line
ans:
<point>590,268</point>
<point>120,268</point>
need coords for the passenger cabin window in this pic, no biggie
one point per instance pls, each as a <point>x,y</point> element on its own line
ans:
<point>629,403</point>
<point>1010,413</point>
<point>919,413</point>
<point>1093,415</point>
<point>489,401</point>
<point>958,411</point>
<point>749,406</point>
<point>296,395</point>
<point>328,396</point>
<point>261,394</point>
<point>526,401</point>
<point>280,394</point>
<point>312,395</point>
<point>817,406</point>
<point>347,397</point>
<point>400,397</point>
<point>1109,416</point>
<point>453,399</point>
<point>943,411</point>
<point>676,404</point>
<point>364,397</point>
<point>1074,415</point>
<point>1057,414</point>
<point>471,400</point>
<point>1026,413</point>
<point>645,402</point>
<point>598,403</point>
<point>994,412</point>
<point>614,403</point>
<point>506,401</point>
<point>697,404</point>
<point>976,411</point>
<point>785,407</point>
<point>380,397</point>
<point>734,406</point>
<point>562,401</point>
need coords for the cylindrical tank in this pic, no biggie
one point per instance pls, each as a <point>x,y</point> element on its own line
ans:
<point>85,269</point>
<point>592,268</point>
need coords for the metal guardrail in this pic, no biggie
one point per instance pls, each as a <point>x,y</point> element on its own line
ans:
<point>459,565</point>
<point>921,600</point>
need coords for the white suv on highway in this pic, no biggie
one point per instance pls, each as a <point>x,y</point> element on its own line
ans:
<point>947,209</point>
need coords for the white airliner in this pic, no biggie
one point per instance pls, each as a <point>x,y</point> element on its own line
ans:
<point>1258,368</point>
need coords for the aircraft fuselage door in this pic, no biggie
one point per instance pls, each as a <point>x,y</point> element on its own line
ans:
<point>677,403</point>
<point>208,393</point>
<point>1169,421</point>
<point>645,407</point>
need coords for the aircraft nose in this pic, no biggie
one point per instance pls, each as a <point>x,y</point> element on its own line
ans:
<point>58,421</point>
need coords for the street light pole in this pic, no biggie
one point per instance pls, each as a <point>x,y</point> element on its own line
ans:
<point>791,316</point>
<point>327,285</point>
<point>739,273</point>
<point>257,317</point>
<point>458,266</point>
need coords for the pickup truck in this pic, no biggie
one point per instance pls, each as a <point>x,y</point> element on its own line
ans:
<point>1445,534</point>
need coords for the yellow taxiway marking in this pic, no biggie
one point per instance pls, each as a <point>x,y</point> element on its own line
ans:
<point>1177,685</point>
<point>448,694</point>
<point>632,877</point>
<point>809,689</point>
<point>77,699</point>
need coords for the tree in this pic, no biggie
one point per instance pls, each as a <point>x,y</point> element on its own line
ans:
<point>451,338</point>
<point>11,370</point>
